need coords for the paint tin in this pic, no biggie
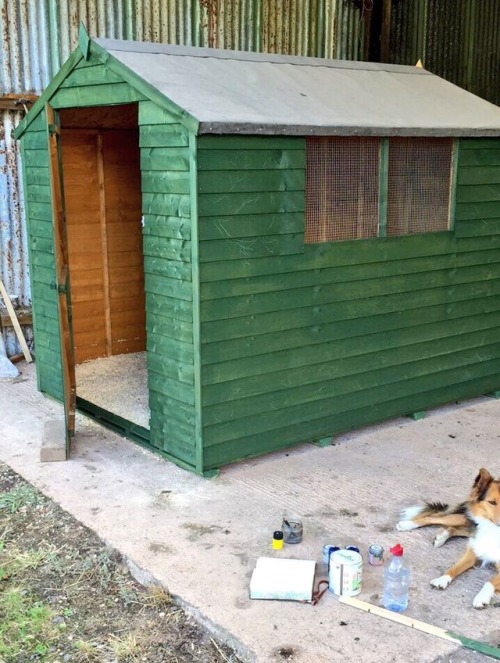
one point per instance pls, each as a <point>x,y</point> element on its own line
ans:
<point>344,576</point>
<point>327,551</point>
<point>375,555</point>
<point>353,548</point>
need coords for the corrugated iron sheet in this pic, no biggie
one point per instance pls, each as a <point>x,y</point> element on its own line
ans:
<point>13,242</point>
<point>456,39</point>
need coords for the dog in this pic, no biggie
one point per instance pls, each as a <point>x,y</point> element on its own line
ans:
<point>479,519</point>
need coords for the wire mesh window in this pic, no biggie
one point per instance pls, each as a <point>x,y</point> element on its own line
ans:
<point>342,188</point>
<point>419,183</point>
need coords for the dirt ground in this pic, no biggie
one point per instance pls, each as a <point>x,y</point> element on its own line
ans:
<point>65,596</point>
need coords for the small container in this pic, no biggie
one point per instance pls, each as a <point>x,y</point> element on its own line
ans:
<point>344,576</point>
<point>353,548</point>
<point>292,530</point>
<point>327,551</point>
<point>375,555</point>
<point>278,540</point>
<point>396,581</point>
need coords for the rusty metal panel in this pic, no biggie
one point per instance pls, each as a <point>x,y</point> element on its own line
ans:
<point>485,66</point>
<point>456,39</point>
<point>14,268</point>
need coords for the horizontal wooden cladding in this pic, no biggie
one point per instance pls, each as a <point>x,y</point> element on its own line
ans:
<point>257,345</point>
<point>344,357</point>
<point>479,193</point>
<point>166,135</point>
<point>38,176</point>
<point>95,95</point>
<point>409,292</point>
<point>164,159</point>
<point>252,247</point>
<point>159,182</point>
<point>430,266</point>
<point>249,325</point>
<point>340,254</point>
<point>95,75</point>
<point>166,248</point>
<point>474,175</point>
<point>264,202</point>
<point>256,159</point>
<point>167,204</point>
<point>250,225</point>
<point>363,390</point>
<point>227,181</point>
<point>174,440</point>
<point>310,429</point>
<point>477,210</point>
<point>166,207</point>
<point>238,143</point>
<point>172,227</point>
<point>159,323</point>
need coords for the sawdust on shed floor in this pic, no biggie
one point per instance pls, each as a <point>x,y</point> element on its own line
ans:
<point>118,384</point>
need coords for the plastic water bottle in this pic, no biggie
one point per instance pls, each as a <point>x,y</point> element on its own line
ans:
<point>396,581</point>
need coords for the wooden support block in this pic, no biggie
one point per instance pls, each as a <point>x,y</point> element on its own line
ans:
<point>324,442</point>
<point>417,415</point>
<point>53,441</point>
<point>211,474</point>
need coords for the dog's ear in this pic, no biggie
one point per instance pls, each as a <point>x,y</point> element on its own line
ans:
<point>481,484</point>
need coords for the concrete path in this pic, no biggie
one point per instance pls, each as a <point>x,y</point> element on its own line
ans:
<point>201,537</point>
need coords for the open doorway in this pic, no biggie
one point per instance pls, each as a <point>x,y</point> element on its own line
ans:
<point>102,194</point>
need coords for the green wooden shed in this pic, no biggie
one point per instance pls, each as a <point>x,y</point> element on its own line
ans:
<point>234,252</point>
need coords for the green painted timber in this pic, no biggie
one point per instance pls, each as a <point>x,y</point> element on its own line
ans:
<point>169,213</point>
<point>35,156</point>
<point>301,346</point>
<point>167,185</point>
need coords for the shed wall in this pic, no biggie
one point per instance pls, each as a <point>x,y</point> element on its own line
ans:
<point>165,167</point>
<point>38,204</point>
<point>304,341</point>
<point>167,254</point>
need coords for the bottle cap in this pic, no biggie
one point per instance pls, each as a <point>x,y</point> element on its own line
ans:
<point>278,535</point>
<point>397,550</point>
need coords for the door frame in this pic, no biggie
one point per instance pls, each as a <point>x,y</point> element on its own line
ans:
<point>62,281</point>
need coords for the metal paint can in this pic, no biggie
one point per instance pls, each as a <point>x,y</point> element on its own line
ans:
<point>327,551</point>
<point>345,573</point>
<point>353,548</point>
<point>375,555</point>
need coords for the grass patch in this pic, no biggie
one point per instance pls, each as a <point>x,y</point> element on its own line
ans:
<point>25,624</point>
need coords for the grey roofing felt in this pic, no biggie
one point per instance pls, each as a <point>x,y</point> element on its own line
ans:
<point>236,92</point>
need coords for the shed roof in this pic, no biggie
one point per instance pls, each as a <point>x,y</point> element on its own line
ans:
<point>227,92</point>
<point>241,92</point>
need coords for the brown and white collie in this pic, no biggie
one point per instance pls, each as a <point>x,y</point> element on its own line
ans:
<point>479,519</point>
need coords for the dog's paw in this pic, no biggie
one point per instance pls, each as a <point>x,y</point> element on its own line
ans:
<point>441,538</point>
<point>483,598</point>
<point>442,582</point>
<point>406,525</point>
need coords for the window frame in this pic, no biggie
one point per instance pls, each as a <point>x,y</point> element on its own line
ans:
<point>383,177</point>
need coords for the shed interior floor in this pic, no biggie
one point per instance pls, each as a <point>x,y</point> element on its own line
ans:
<point>118,384</point>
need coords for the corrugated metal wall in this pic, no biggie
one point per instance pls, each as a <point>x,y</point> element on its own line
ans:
<point>456,39</point>
<point>37,38</point>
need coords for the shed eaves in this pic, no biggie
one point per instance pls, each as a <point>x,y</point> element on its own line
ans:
<point>248,93</point>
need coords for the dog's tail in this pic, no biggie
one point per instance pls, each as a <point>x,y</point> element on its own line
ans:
<point>432,509</point>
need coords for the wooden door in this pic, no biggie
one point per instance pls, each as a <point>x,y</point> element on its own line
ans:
<point>62,273</point>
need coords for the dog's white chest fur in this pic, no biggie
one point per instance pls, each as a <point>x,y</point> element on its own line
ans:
<point>486,542</point>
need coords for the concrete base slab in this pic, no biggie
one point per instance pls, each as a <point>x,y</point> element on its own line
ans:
<point>53,441</point>
<point>201,538</point>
